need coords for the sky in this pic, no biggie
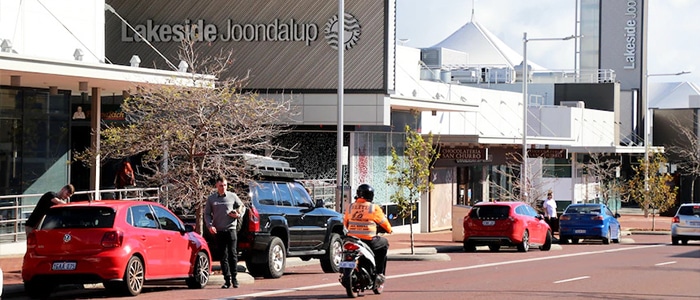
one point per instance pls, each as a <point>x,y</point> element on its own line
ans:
<point>673,42</point>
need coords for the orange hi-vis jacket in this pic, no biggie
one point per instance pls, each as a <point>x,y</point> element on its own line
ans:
<point>362,218</point>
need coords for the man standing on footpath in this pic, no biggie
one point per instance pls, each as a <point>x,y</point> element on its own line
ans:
<point>221,215</point>
<point>45,202</point>
<point>550,212</point>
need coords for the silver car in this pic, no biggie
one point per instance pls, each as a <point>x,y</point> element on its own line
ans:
<point>685,225</point>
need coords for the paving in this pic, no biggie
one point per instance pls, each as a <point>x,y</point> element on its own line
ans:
<point>430,246</point>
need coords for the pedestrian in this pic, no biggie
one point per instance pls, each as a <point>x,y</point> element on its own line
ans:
<point>222,214</point>
<point>124,177</point>
<point>45,202</point>
<point>550,212</point>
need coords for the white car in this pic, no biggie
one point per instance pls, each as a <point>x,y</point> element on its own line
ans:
<point>685,225</point>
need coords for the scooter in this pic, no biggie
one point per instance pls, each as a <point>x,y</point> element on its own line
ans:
<point>358,268</point>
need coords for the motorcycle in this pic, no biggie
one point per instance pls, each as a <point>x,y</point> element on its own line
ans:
<point>358,268</point>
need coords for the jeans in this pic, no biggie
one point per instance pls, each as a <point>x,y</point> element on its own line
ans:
<point>227,240</point>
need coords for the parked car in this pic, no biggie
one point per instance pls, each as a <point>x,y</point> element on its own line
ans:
<point>282,221</point>
<point>685,225</point>
<point>497,224</point>
<point>118,243</point>
<point>588,221</point>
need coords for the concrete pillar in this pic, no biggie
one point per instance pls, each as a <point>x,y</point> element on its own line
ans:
<point>95,121</point>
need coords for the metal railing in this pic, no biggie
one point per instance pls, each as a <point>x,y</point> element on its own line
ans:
<point>323,189</point>
<point>14,210</point>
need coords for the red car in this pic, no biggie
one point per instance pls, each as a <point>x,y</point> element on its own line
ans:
<point>497,224</point>
<point>118,243</point>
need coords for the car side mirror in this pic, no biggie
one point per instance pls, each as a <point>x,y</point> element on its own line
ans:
<point>320,203</point>
<point>617,215</point>
<point>189,228</point>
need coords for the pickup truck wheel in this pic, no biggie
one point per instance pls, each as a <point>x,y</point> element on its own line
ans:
<point>331,260</point>
<point>273,261</point>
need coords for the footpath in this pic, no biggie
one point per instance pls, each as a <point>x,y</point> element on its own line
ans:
<point>427,246</point>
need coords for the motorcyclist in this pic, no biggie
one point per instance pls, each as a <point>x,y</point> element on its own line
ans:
<point>361,221</point>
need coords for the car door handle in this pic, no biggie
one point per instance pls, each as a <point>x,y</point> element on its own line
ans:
<point>167,239</point>
<point>143,237</point>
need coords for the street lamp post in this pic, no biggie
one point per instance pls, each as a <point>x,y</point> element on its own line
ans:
<point>647,124</point>
<point>524,169</point>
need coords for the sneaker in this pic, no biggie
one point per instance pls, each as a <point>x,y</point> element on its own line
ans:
<point>226,285</point>
<point>380,280</point>
<point>235,283</point>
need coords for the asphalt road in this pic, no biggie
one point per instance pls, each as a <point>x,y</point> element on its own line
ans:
<point>641,267</point>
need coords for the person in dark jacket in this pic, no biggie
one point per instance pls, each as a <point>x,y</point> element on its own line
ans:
<point>45,202</point>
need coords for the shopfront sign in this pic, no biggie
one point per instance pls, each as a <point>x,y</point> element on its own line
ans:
<point>464,154</point>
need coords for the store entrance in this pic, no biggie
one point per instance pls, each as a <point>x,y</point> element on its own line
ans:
<point>470,189</point>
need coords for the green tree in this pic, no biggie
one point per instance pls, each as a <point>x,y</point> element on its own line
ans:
<point>659,195</point>
<point>189,132</point>
<point>410,173</point>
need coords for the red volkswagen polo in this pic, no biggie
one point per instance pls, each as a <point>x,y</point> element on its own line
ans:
<point>497,224</point>
<point>119,243</point>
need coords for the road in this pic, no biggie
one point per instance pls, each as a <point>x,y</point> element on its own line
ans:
<point>641,267</point>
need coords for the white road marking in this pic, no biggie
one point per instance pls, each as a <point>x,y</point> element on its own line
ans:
<point>572,279</point>
<point>311,287</point>
<point>665,263</point>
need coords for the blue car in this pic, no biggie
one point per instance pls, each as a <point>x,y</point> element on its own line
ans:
<point>588,221</point>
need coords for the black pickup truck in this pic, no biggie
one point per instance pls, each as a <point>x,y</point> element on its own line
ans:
<point>282,221</point>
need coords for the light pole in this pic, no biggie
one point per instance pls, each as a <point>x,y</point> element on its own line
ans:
<point>523,175</point>
<point>647,124</point>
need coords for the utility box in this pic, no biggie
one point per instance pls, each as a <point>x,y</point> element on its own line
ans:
<point>458,214</point>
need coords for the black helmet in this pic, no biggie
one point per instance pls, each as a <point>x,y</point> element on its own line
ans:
<point>365,191</point>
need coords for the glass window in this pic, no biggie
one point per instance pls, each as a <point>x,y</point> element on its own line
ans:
<point>556,168</point>
<point>143,217</point>
<point>263,193</point>
<point>490,211</point>
<point>79,217</point>
<point>301,197</point>
<point>167,220</point>
<point>285,195</point>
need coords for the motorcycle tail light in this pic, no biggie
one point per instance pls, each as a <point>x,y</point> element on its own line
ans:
<point>351,246</point>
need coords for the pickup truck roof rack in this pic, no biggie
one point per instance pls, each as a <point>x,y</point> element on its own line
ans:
<point>269,167</point>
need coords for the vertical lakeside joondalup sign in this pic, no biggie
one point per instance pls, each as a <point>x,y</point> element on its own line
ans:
<point>282,45</point>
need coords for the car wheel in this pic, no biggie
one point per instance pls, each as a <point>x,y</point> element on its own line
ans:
<point>273,261</point>
<point>616,240</point>
<point>36,289</point>
<point>494,247</point>
<point>331,261</point>
<point>685,241</point>
<point>524,245</point>
<point>200,272</point>
<point>133,276</point>
<point>674,240</point>
<point>469,247</point>
<point>547,242</point>
<point>606,238</point>
<point>574,241</point>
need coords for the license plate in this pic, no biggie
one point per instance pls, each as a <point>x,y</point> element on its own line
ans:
<point>347,265</point>
<point>488,223</point>
<point>580,231</point>
<point>693,223</point>
<point>63,266</point>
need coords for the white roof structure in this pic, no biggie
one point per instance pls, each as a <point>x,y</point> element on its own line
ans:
<point>482,47</point>
<point>670,95</point>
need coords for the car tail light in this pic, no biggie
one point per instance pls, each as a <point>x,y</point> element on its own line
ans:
<point>31,240</point>
<point>254,220</point>
<point>675,219</point>
<point>112,239</point>
<point>564,218</point>
<point>597,218</point>
<point>351,246</point>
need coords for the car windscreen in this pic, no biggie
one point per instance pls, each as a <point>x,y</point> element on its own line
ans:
<point>689,210</point>
<point>79,217</point>
<point>489,212</point>
<point>583,209</point>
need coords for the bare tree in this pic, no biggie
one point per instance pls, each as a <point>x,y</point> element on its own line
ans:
<point>189,132</point>
<point>686,153</point>
<point>604,170</point>
<point>535,184</point>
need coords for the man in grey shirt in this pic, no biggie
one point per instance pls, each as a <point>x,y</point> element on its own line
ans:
<point>221,215</point>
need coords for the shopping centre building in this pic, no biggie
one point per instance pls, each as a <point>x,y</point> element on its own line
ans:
<point>88,55</point>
